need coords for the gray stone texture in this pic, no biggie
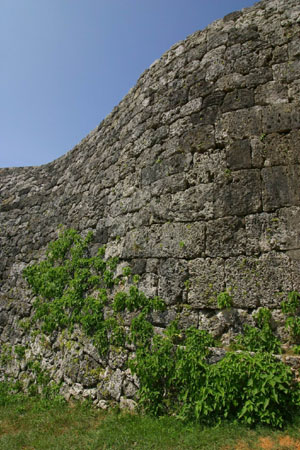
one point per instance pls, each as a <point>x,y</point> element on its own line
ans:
<point>193,180</point>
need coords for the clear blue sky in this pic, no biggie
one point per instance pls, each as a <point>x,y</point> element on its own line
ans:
<point>66,63</point>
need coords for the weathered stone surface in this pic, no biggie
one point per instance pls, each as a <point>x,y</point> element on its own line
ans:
<point>286,153</point>
<point>239,124</point>
<point>231,237</point>
<point>166,240</point>
<point>127,404</point>
<point>280,187</point>
<point>281,118</point>
<point>258,281</point>
<point>207,279</point>
<point>193,180</point>
<point>239,155</point>
<point>207,167</point>
<point>172,274</point>
<point>114,385</point>
<point>240,194</point>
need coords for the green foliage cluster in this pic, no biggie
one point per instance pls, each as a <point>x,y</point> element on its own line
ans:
<point>20,351</point>
<point>169,368</point>
<point>178,379</point>
<point>5,354</point>
<point>175,376</point>
<point>260,338</point>
<point>73,287</point>
<point>224,300</point>
<point>290,308</point>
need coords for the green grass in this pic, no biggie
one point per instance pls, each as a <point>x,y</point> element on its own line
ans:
<point>32,424</point>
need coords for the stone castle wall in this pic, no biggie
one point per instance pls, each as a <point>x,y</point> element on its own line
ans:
<point>194,179</point>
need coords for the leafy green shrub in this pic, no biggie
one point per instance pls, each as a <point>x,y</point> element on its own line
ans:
<point>155,367</point>
<point>169,373</point>
<point>248,388</point>
<point>290,308</point>
<point>260,338</point>
<point>177,379</point>
<point>191,370</point>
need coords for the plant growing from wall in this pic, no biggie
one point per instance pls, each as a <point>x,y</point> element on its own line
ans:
<point>224,300</point>
<point>74,288</point>
<point>290,308</point>
<point>260,338</point>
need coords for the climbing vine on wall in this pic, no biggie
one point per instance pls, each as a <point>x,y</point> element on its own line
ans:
<point>72,287</point>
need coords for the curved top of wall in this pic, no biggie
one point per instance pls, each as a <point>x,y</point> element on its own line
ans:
<point>235,22</point>
<point>191,143</point>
